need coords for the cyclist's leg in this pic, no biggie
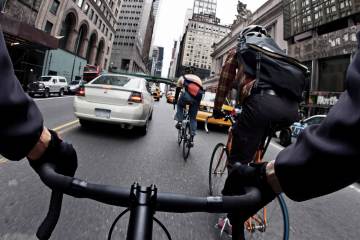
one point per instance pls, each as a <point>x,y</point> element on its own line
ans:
<point>194,107</point>
<point>179,116</point>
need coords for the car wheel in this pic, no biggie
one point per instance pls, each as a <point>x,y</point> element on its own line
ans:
<point>84,123</point>
<point>285,137</point>
<point>143,130</point>
<point>61,93</point>
<point>46,93</point>
<point>150,117</point>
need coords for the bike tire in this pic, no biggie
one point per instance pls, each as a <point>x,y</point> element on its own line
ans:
<point>277,222</point>
<point>217,169</point>
<point>180,136</point>
<point>186,140</point>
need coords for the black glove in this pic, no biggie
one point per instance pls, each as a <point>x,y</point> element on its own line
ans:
<point>253,175</point>
<point>59,153</point>
<point>218,114</point>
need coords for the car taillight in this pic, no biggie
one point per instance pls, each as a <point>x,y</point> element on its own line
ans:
<point>136,97</point>
<point>81,92</point>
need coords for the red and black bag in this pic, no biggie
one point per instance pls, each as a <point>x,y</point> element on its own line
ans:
<point>194,89</point>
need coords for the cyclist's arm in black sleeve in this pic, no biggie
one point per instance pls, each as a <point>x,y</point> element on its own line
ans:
<point>326,157</point>
<point>21,122</point>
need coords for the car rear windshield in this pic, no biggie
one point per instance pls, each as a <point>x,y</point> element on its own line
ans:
<point>209,97</point>
<point>44,79</point>
<point>120,81</point>
<point>75,82</point>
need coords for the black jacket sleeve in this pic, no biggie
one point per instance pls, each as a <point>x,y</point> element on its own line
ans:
<point>326,157</point>
<point>21,122</point>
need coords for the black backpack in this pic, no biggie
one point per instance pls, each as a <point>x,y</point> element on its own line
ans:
<point>263,59</point>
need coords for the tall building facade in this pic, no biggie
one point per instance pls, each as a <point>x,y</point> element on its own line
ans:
<point>157,60</point>
<point>202,32</point>
<point>269,15</point>
<point>322,34</point>
<point>205,7</point>
<point>131,36</point>
<point>85,29</point>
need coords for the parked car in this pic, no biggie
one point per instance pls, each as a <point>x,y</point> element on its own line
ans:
<point>115,98</point>
<point>47,85</point>
<point>75,85</point>
<point>287,134</point>
<point>206,108</point>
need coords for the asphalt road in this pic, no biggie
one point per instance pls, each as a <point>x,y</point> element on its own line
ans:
<point>119,157</point>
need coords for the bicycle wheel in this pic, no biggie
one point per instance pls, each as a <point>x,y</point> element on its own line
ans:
<point>271,222</point>
<point>179,140</point>
<point>186,141</point>
<point>217,170</point>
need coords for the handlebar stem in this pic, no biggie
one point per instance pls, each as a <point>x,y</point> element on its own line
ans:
<point>142,211</point>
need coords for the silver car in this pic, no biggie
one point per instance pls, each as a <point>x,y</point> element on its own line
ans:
<point>114,98</point>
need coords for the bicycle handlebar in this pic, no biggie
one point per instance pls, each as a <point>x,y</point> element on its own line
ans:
<point>227,117</point>
<point>164,202</point>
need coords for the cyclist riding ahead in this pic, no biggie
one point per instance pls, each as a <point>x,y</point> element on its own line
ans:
<point>264,105</point>
<point>190,87</point>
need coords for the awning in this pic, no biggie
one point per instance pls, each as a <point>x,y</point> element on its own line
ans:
<point>23,33</point>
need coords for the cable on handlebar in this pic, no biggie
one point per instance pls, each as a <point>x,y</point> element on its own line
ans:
<point>163,227</point>
<point>115,222</point>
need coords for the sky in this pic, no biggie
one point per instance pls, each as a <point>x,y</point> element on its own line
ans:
<point>171,17</point>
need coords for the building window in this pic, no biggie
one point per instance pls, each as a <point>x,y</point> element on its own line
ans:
<point>79,3</point>
<point>91,14</point>
<point>54,7</point>
<point>86,8</point>
<point>96,19</point>
<point>48,27</point>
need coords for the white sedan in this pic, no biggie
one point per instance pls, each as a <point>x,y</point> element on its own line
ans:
<point>114,98</point>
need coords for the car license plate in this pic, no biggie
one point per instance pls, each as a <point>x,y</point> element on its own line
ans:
<point>103,113</point>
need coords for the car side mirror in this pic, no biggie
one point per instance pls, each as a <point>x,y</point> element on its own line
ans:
<point>54,81</point>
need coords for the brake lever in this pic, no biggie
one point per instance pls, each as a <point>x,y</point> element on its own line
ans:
<point>49,223</point>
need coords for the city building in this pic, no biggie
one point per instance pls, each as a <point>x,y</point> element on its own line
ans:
<point>322,34</point>
<point>269,15</point>
<point>85,30</point>
<point>202,31</point>
<point>157,61</point>
<point>26,44</point>
<point>131,46</point>
<point>173,61</point>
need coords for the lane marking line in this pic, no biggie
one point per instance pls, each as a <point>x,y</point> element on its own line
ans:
<point>60,129</point>
<point>44,99</point>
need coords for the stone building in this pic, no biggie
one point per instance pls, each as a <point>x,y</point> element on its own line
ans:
<point>86,29</point>
<point>269,15</point>
<point>133,33</point>
<point>322,34</point>
<point>202,31</point>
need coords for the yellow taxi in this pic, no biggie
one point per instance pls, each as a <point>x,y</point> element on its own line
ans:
<point>206,107</point>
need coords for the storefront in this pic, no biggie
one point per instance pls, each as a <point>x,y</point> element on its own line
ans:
<point>26,46</point>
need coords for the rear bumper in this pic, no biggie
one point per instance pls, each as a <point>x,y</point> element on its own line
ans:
<point>201,117</point>
<point>37,91</point>
<point>133,115</point>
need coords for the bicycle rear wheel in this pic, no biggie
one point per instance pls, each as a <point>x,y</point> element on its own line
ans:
<point>217,169</point>
<point>186,141</point>
<point>271,222</point>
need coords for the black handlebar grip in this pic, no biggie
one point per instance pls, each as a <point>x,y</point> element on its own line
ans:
<point>48,225</point>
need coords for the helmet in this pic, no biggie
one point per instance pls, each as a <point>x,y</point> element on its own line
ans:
<point>254,30</point>
<point>189,69</point>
